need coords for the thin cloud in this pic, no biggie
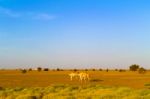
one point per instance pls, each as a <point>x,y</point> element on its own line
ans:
<point>9,12</point>
<point>43,16</point>
<point>30,15</point>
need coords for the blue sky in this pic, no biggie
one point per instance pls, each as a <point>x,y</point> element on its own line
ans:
<point>74,33</point>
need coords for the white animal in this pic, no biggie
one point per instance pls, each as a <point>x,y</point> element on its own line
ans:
<point>73,75</point>
<point>81,76</point>
<point>84,76</point>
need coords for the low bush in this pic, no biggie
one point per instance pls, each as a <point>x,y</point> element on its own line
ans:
<point>24,71</point>
<point>142,70</point>
<point>39,69</point>
<point>122,70</point>
<point>100,69</point>
<point>45,69</point>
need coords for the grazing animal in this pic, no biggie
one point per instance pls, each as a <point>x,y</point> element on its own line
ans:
<point>81,76</point>
<point>84,76</point>
<point>73,75</point>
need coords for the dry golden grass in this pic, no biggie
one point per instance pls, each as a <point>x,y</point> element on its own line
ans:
<point>14,78</point>
<point>74,92</point>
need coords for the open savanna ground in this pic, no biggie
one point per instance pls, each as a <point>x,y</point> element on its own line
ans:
<point>15,84</point>
<point>14,78</point>
<point>74,92</point>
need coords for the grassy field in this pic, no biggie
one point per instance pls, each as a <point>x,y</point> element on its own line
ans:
<point>74,92</point>
<point>57,85</point>
<point>14,78</point>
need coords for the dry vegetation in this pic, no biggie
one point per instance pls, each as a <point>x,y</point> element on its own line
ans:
<point>56,84</point>
<point>15,78</point>
<point>74,92</point>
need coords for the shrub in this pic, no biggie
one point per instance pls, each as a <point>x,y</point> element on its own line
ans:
<point>100,69</point>
<point>57,69</point>
<point>39,69</point>
<point>122,70</point>
<point>30,69</point>
<point>142,70</point>
<point>147,84</point>
<point>46,69</point>
<point>75,70</point>
<point>107,70</point>
<point>134,67</point>
<point>24,71</point>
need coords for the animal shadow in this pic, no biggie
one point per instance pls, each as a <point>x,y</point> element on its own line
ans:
<point>96,80</point>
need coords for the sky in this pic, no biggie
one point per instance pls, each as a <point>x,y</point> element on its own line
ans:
<point>74,33</point>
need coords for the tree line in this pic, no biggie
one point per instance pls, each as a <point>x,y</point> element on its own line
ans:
<point>134,67</point>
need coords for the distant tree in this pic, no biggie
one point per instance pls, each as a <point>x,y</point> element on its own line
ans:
<point>134,67</point>
<point>116,69</point>
<point>39,69</point>
<point>75,70</point>
<point>122,70</point>
<point>107,70</point>
<point>86,69</point>
<point>24,71</point>
<point>100,69</point>
<point>57,69</point>
<point>93,69</point>
<point>142,70</point>
<point>45,69</point>
<point>30,69</point>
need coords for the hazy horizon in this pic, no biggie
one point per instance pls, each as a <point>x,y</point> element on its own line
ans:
<point>74,33</point>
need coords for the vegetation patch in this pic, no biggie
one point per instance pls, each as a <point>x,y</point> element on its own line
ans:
<point>74,92</point>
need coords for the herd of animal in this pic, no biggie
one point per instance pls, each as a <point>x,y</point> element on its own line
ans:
<point>81,76</point>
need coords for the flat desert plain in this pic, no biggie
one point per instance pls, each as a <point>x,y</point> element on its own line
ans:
<point>14,78</point>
